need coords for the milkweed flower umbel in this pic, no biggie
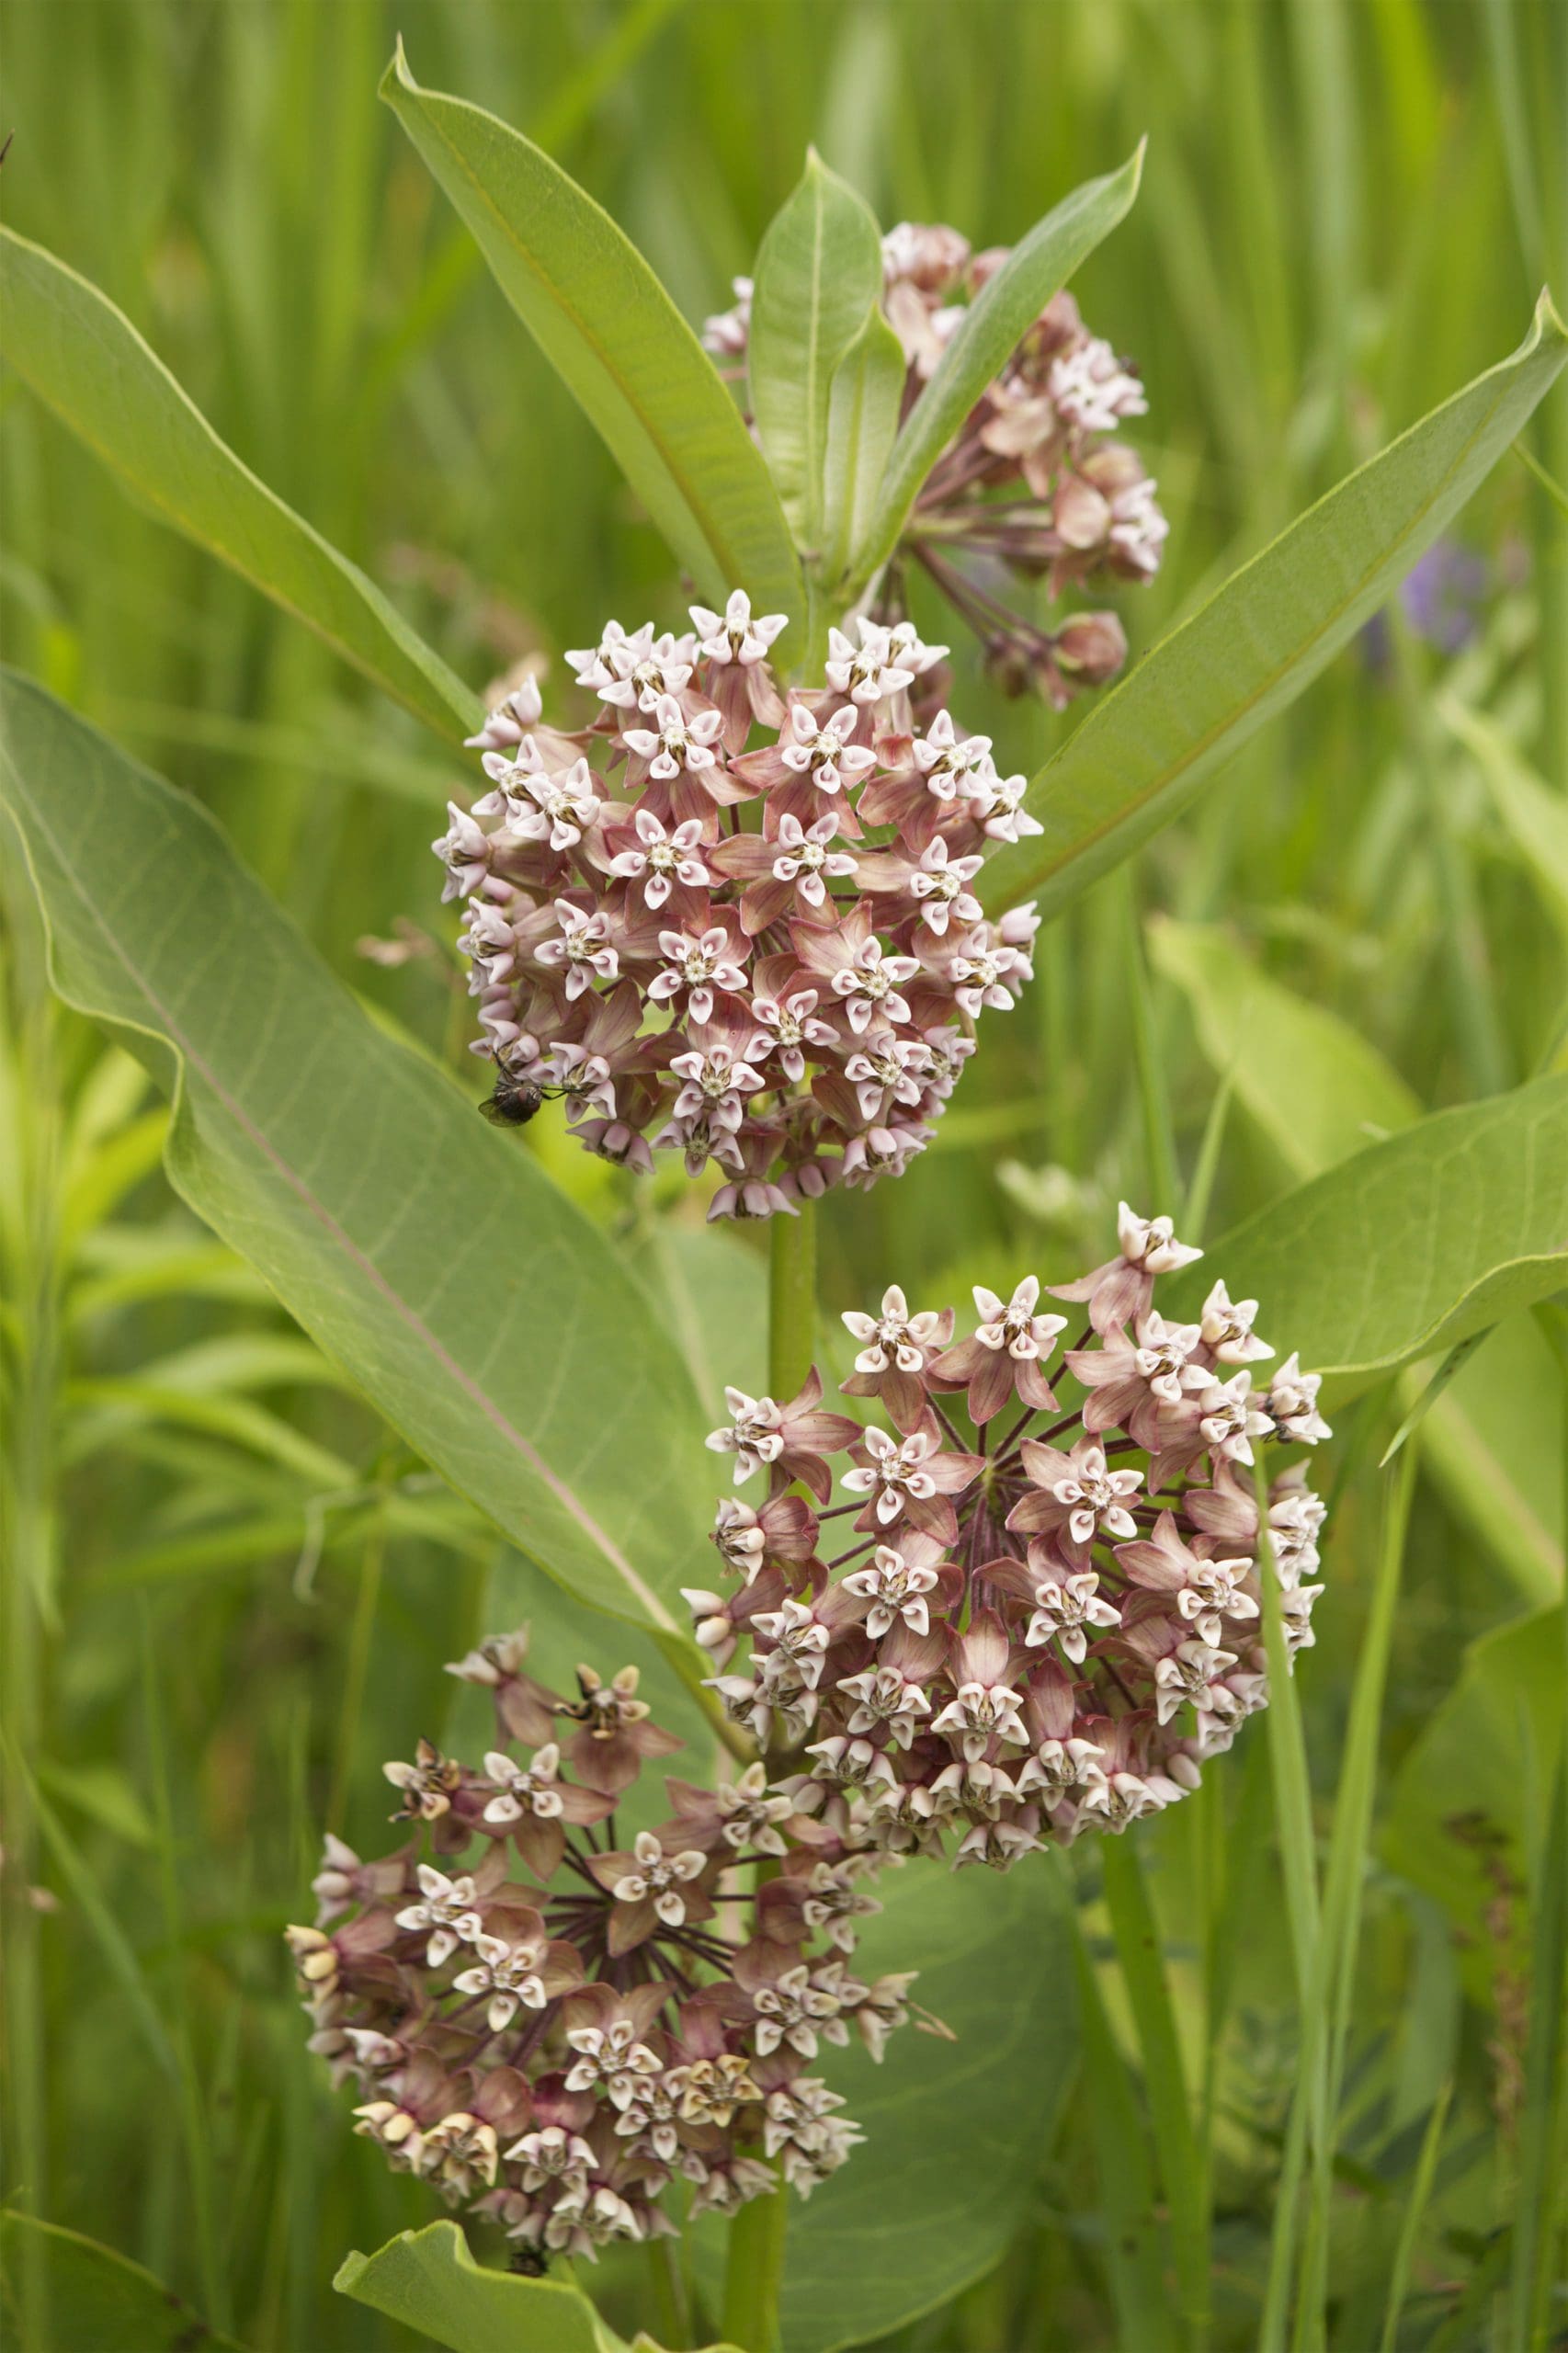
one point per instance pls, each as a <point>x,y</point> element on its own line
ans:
<point>766,957</point>
<point>1036,482</point>
<point>550,2026</point>
<point>1041,1615</point>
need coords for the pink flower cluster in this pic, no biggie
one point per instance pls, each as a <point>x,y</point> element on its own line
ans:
<point>767,958</point>
<point>1040,1626</point>
<point>1034,480</point>
<point>547,2026</point>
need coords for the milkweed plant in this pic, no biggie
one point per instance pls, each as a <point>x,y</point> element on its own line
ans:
<point>743,894</point>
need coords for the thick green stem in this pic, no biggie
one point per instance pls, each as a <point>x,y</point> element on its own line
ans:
<point>791,1301</point>
<point>755,2268</point>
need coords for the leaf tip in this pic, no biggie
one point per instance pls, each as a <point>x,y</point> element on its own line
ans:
<point>1548,324</point>
<point>397,76</point>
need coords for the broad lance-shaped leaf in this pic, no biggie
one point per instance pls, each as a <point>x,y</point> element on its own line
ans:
<point>819,272</point>
<point>86,359</point>
<point>862,426</point>
<point>473,1305</point>
<point>603,320</point>
<point>1410,1245</point>
<point>993,325</point>
<point>1142,753</point>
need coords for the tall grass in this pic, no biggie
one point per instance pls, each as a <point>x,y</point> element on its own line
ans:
<point>1321,2091</point>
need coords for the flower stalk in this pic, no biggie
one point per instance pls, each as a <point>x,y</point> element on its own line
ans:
<point>755,2269</point>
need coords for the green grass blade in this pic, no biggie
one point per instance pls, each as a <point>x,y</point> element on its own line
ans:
<point>1126,2183</point>
<point>1541,2194</point>
<point>1298,1858</point>
<point>86,361</point>
<point>604,323</point>
<point>1344,1879</point>
<point>1182,2170</point>
<point>1143,753</point>
<point>1411,2220</point>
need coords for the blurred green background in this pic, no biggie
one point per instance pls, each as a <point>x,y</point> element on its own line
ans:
<point>230,1590</point>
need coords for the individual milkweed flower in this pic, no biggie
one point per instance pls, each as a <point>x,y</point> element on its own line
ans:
<point>658,881</point>
<point>547,2030</point>
<point>1040,1633</point>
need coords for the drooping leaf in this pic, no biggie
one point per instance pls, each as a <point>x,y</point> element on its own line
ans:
<point>1142,753</point>
<point>605,323</point>
<point>954,2130</point>
<point>1315,1086</point>
<point>429,2280</point>
<point>1409,1246</point>
<point>99,2301</point>
<point>429,1256</point>
<point>862,426</point>
<point>86,359</point>
<point>819,272</point>
<point>1535,816</point>
<point>993,325</point>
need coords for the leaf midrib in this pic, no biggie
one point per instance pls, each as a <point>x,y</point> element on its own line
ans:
<point>189,1054</point>
<point>717,545</point>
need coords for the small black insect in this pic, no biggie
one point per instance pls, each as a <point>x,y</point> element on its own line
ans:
<point>531,2261</point>
<point>515,1101</point>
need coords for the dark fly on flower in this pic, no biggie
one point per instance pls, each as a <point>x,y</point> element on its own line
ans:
<point>529,2262</point>
<point>516,1100</point>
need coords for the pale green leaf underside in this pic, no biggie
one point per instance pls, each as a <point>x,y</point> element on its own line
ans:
<point>1142,753</point>
<point>86,361</point>
<point>993,325</point>
<point>954,2130</point>
<point>474,1306</point>
<point>1412,1245</point>
<point>605,323</point>
<point>819,271</point>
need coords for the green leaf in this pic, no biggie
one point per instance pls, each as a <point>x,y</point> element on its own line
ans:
<point>1315,1086</point>
<point>1319,1091</point>
<point>1409,1246</point>
<point>1535,816</point>
<point>1142,753</point>
<point>862,426</point>
<point>429,2281</point>
<point>86,359</point>
<point>99,2301</point>
<point>955,2131</point>
<point>602,319</point>
<point>427,1254</point>
<point>819,272</point>
<point>993,325</point>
